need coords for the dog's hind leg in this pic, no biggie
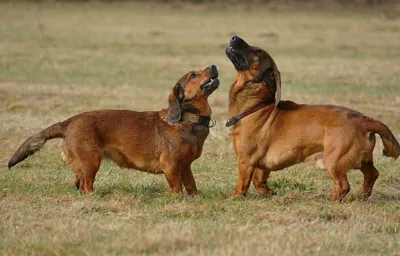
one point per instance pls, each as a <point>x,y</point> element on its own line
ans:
<point>188,181</point>
<point>68,161</point>
<point>260,178</point>
<point>88,168</point>
<point>337,153</point>
<point>342,186</point>
<point>371,174</point>
<point>246,172</point>
<point>84,159</point>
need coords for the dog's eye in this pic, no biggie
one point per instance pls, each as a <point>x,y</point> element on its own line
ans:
<point>192,75</point>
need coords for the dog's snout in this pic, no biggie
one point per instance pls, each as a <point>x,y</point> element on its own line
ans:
<point>213,71</point>
<point>236,40</point>
<point>237,43</point>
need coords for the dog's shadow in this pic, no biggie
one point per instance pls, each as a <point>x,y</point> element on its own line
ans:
<point>382,197</point>
<point>153,189</point>
<point>285,192</point>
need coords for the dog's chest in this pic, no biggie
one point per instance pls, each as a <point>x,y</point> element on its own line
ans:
<point>195,140</point>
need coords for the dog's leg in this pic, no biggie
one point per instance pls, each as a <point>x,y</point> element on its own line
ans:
<point>174,178</point>
<point>89,169</point>
<point>89,177</point>
<point>66,157</point>
<point>189,182</point>
<point>83,157</point>
<point>245,176</point>
<point>260,178</point>
<point>85,164</point>
<point>342,186</point>
<point>371,174</point>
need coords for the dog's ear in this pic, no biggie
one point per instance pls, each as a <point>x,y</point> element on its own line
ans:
<point>174,104</point>
<point>277,76</point>
<point>274,75</point>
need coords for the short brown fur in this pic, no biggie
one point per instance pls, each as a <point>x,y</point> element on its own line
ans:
<point>153,141</point>
<point>284,133</point>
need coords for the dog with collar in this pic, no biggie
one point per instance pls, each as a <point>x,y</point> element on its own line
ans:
<point>165,141</point>
<point>269,134</point>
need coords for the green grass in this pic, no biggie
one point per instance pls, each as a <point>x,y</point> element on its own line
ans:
<point>58,59</point>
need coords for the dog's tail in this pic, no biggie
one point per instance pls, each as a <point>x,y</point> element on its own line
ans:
<point>392,146</point>
<point>35,142</point>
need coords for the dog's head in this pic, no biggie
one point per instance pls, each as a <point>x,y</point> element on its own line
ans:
<point>254,66</point>
<point>191,93</point>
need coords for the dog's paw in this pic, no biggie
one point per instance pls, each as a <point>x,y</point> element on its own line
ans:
<point>194,193</point>
<point>239,196</point>
<point>366,197</point>
<point>266,192</point>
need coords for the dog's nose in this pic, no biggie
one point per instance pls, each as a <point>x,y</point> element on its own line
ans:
<point>213,71</point>
<point>237,42</point>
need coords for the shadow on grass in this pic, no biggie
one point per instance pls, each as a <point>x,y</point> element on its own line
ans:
<point>133,189</point>
<point>284,185</point>
<point>379,196</point>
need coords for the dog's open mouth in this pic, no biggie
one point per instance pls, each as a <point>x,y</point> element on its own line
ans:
<point>237,58</point>
<point>210,85</point>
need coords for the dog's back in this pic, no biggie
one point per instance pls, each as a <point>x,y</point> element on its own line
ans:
<point>126,137</point>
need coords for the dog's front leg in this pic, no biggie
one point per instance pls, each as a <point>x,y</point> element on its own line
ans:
<point>174,177</point>
<point>188,181</point>
<point>245,176</point>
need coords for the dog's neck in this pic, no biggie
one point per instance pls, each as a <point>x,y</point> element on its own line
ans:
<point>199,120</point>
<point>197,125</point>
<point>246,96</point>
<point>196,108</point>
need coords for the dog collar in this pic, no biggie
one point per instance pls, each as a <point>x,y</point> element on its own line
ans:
<point>234,119</point>
<point>201,120</point>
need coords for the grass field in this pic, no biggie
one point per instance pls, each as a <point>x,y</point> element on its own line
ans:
<point>57,60</point>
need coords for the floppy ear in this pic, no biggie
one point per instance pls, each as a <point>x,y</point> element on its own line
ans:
<point>174,104</point>
<point>277,78</point>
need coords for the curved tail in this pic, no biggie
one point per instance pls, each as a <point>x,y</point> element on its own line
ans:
<point>392,146</point>
<point>35,142</point>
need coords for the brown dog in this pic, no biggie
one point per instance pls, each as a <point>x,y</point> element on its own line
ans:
<point>165,141</point>
<point>276,134</point>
